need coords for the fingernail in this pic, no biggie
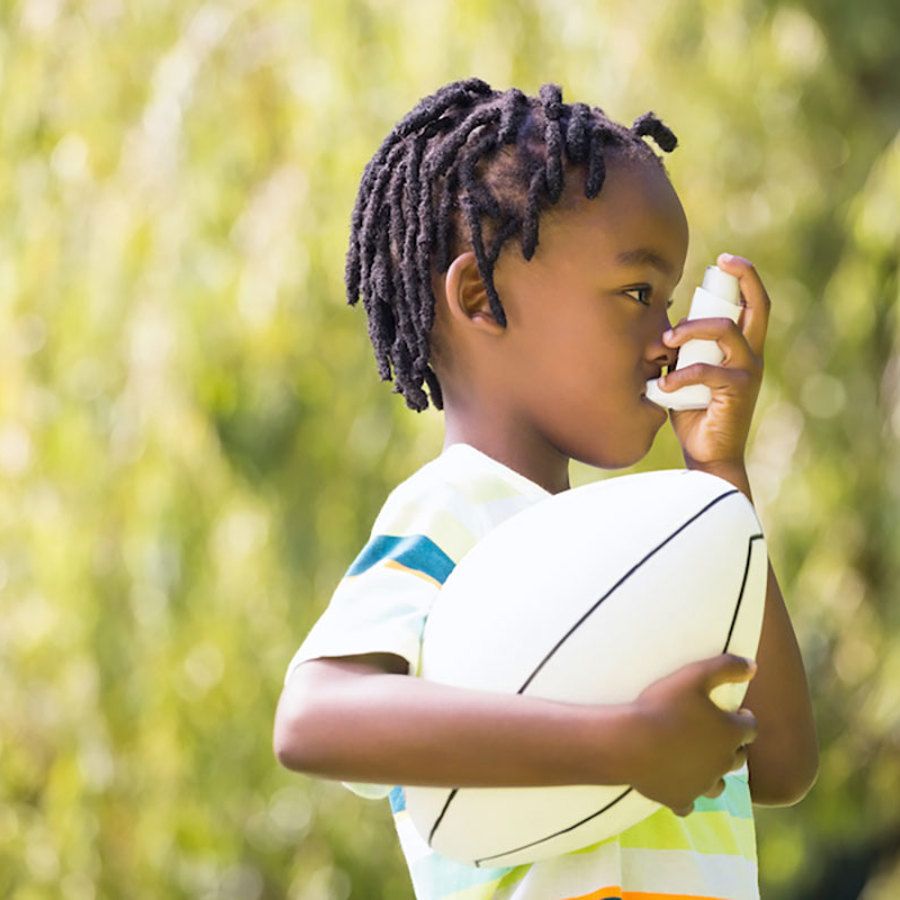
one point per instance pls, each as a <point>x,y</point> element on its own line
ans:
<point>668,335</point>
<point>725,258</point>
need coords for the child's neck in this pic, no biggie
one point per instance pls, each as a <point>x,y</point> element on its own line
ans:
<point>528,455</point>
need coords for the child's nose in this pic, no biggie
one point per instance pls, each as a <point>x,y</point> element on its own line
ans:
<point>661,353</point>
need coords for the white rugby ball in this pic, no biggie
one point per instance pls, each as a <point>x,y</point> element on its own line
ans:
<point>588,597</point>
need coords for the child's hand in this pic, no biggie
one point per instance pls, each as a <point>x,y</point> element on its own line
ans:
<point>690,742</point>
<point>718,434</point>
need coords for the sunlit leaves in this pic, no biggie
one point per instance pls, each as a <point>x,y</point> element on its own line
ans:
<point>193,440</point>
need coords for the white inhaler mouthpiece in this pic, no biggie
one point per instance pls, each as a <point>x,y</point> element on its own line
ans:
<point>719,297</point>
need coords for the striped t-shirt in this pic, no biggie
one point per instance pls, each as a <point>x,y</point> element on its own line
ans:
<point>425,527</point>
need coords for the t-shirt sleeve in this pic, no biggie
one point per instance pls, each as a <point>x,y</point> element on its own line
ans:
<point>381,604</point>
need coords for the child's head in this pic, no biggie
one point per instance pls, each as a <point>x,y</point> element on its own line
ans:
<point>469,169</point>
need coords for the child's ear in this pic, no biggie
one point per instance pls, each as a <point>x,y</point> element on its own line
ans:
<point>467,299</point>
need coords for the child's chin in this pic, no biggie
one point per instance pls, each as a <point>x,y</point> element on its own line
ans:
<point>620,459</point>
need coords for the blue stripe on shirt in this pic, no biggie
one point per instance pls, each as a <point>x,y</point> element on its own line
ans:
<point>735,799</point>
<point>414,551</point>
<point>398,800</point>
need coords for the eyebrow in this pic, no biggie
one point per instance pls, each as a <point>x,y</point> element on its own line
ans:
<point>642,256</point>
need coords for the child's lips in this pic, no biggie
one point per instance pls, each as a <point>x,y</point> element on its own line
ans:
<point>646,399</point>
<point>644,388</point>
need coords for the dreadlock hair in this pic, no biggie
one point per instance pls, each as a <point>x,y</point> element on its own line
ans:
<point>467,166</point>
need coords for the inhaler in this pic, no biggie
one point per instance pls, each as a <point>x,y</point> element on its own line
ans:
<point>719,297</point>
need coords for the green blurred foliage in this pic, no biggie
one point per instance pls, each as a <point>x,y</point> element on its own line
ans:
<point>193,441</point>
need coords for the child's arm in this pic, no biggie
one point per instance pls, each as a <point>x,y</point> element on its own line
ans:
<point>359,719</point>
<point>783,761</point>
<point>783,767</point>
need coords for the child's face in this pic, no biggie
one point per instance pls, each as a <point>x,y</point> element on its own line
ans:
<point>586,317</point>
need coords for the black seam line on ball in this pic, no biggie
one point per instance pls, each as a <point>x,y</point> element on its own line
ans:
<point>740,600</point>
<point>548,837</point>
<point>440,817</point>
<point>619,583</point>
<point>568,634</point>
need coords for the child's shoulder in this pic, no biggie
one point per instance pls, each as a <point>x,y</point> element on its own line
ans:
<point>455,499</point>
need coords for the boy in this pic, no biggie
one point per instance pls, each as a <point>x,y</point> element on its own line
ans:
<point>516,257</point>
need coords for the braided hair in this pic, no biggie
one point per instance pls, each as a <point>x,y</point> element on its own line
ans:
<point>468,166</point>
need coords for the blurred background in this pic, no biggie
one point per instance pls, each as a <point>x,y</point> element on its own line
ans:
<point>194,441</point>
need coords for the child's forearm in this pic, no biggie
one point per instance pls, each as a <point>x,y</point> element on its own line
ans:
<point>784,758</point>
<point>345,720</point>
<point>358,719</point>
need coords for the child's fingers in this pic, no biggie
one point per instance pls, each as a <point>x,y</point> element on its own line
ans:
<point>745,726</point>
<point>724,332</point>
<point>720,330</point>
<point>724,669</point>
<point>734,381</point>
<point>755,315</point>
<point>718,789</point>
<point>740,758</point>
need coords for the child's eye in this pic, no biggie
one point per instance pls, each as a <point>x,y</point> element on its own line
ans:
<point>641,294</point>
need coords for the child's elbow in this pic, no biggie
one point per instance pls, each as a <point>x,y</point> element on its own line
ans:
<point>287,741</point>
<point>785,784</point>
<point>321,712</point>
<point>294,737</point>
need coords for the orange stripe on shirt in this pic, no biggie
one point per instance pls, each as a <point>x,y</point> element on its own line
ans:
<point>644,895</point>
<point>607,893</point>
<point>616,893</point>
<point>393,564</point>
